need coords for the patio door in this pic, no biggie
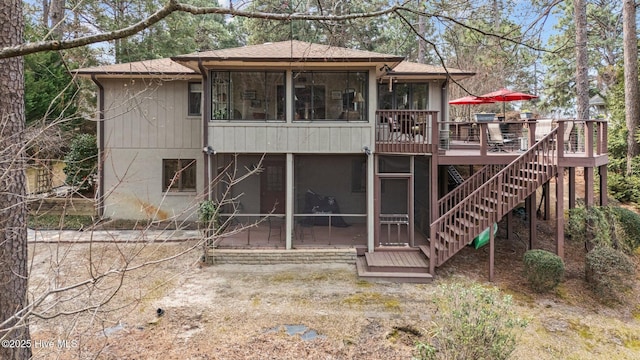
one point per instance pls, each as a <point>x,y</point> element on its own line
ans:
<point>272,186</point>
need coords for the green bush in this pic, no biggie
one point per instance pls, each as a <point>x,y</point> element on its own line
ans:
<point>610,226</point>
<point>472,322</point>
<point>591,224</point>
<point>609,272</point>
<point>624,188</point>
<point>81,162</point>
<point>543,270</point>
<point>626,230</point>
<point>209,219</point>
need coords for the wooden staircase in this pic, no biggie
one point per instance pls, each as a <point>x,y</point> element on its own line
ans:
<point>463,213</point>
<point>486,197</point>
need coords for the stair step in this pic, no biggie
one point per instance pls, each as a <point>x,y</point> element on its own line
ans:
<point>406,277</point>
<point>514,186</point>
<point>446,238</point>
<point>475,215</point>
<point>427,252</point>
<point>397,261</point>
<point>485,208</point>
<point>525,179</point>
<point>465,222</point>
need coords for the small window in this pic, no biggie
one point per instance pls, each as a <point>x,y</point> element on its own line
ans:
<point>179,175</point>
<point>195,99</point>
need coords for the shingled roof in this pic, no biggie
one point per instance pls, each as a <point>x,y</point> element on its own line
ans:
<point>284,51</point>
<point>146,67</point>
<point>293,50</point>
<point>411,69</point>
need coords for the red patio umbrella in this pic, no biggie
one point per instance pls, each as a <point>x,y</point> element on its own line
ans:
<point>504,95</point>
<point>470,100</point>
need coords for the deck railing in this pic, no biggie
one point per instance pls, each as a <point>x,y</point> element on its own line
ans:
<point>463,190</point>
<point>406,131</point>
<point>581,138</point>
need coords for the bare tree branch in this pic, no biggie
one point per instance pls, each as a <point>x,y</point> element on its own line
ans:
<point>171,7</point>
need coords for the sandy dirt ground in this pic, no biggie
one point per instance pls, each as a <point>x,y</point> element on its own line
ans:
<point>294,311</point>
<point>297,311</point>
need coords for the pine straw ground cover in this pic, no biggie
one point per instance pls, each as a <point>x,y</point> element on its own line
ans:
<point>240,312</point>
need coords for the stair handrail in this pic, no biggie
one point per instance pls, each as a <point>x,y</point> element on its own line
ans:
<point>490,195</point>
<point>463,190</point>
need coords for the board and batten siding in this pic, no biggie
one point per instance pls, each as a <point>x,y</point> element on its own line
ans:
<point>145,122</point>
<point>148,114</point>
<point>305,137</point>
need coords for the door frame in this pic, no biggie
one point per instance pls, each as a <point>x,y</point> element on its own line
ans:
<point>410,198</point>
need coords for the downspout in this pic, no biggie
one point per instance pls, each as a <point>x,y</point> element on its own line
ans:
<point>101,192</point>
<point>205,130</point>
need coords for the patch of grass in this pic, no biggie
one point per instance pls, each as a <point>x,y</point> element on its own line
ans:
<point>633,344</point>
<point>583,331</point>
<point>636,312</point>
<point>373,298</point>
<point>282,277</point>
<point>57,222</point>
<point>363,283</point>
<point>317,276</point>
<point>520,297</point>
<point>562,292</point>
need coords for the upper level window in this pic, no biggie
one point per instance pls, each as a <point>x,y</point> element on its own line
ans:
<point>247,95</point>
<point>330,95</point>
<point>404,96</point>
<point>195,99</point>
<point>179,175</point>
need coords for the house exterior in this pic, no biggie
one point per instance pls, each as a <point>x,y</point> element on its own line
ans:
<point>354,148</point>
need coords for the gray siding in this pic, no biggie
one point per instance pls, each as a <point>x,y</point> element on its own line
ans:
<point>297,138</point>
<point>149,115</point>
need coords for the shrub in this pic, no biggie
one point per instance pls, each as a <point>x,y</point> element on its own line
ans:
<point>209,218</point>
<point>610,226</point>
<point>591,224</point>
<point>81,162</point>
<point>609,272</point>
<point>624,188</point>
<point>207,212</point>
<point>473,322</point>
<point>543,270</point>
<point>626,230</point>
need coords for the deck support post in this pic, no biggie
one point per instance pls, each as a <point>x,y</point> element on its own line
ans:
<point>602,172</point>
<point>547,199</point>
<point>531,211</point>
<point>289,199</point>
<point>572,188</point>
<point>588,187</point>
<point>373,193</point>
<point>410,201</point>
<point>492,250</point>
<point>510,225</point>
<point>560,213</point>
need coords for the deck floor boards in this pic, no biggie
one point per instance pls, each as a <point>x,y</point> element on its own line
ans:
<point>405,259</point>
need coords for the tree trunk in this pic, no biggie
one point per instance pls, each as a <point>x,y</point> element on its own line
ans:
<point>631,87</point>
<point>13,210</point>
<point>422,45</point>
<point>57,18</point>
<point>582,64</point>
